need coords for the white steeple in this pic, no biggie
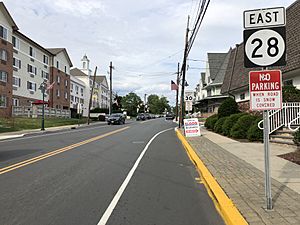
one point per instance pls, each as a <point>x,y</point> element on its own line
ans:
<point>85,62</point>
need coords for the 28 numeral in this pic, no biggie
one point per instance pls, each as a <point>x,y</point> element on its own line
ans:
<point>272,44</point>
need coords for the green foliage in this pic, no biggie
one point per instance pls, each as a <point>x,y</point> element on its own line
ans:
<point>131,102</point>
<point>100,110</point>
<point>297,137</point>
<point>254,133</point>
<point>229,123</point>
<point>210,122</point>
<point>240,128</point>
<point>117,104</point>
<point>157,105</point>
<point>219,125</point>
<point>290,94</point>
<point>228,107</point>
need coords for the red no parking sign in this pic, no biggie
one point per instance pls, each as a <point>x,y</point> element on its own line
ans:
<point>265,90</point>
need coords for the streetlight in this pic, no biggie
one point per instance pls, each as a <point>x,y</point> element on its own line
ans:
<point>43,88</point>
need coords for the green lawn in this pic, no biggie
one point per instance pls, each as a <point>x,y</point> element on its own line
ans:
<point>20,123</point>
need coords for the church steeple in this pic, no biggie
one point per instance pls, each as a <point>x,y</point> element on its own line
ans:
<point>85,63</point>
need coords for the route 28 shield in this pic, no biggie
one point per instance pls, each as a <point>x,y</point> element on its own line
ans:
<point>265,47</point>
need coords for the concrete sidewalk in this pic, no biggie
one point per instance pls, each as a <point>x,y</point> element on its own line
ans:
<point>239,169</point>
<point>16,134</point>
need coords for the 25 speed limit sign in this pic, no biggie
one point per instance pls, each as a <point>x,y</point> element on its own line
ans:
<point>264,47</point>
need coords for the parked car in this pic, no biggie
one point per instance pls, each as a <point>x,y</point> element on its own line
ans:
<point>170,116</point>
<point>140,116</point>
<point>116,118</point>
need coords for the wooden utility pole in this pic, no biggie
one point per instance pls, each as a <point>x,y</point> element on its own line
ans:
<point>177,91</point>
<point>183,70</point>
<point>91,96</point>
<point>110,91</point>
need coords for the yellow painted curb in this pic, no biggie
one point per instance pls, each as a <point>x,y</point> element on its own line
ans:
<point>227,209</point>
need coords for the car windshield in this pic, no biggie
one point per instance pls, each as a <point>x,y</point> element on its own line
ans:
<point>115,115</point>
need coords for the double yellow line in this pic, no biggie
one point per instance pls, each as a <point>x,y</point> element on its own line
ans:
<point>55,152</point>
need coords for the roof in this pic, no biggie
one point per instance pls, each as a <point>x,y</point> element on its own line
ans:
<point>77,72</point>
<point>21,35</point>
<point>236,76</point>
<point>215,61</point>
<point>8,16</point>
<point>101,80</point>
<point>56,51</point>
<point>219,78</point>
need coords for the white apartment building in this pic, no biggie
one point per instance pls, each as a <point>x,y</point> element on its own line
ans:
<point>77,96</point>
<point>31,67</point>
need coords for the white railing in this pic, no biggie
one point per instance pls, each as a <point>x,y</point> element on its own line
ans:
<point>30,111</point>
<point>285,117</point>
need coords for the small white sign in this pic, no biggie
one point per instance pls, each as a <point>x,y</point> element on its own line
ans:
<point>191,127</point>
<point>261,18</point>
<point>188,106</point>
<point>188,96</point>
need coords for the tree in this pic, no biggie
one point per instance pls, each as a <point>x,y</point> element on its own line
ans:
<point>117,104</point>
<point>131,102</point>
<point>157,105</point>
<point>290,94</point>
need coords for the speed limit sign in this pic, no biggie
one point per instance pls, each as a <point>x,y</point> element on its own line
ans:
<point>264,47</point>
<point>188,96</point>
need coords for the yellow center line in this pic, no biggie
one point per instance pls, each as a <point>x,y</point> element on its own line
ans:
<point>55,152</point>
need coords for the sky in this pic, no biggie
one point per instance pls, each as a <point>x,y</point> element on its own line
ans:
<point>144,39</point>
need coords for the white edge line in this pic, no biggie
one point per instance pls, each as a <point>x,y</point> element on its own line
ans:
<point>122,188</point>
<point>51,134</point>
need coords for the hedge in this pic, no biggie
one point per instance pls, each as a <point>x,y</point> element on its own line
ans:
<point>218,125</point>
<point>241,127</point>
<point>230,121</point>
<point>210,122</point>
<point>254,133</point>
<point>228,107</point>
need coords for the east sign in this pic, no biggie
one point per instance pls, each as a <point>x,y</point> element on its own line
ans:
<point>264,37</point>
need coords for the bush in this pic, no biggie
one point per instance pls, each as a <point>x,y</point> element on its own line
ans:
<point>290,94</point>
<point>254,133</point>
<point>218,125</point>
<point>230,121</point>
<point>210,122</point>
<point>297,137</point>
<point>241,127</point>
<point>228,107</point>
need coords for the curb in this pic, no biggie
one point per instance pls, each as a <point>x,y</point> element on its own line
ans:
<point>225,206</point>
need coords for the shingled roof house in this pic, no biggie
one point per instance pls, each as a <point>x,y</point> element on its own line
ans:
<point>208,92</point>
<point>236,80</point>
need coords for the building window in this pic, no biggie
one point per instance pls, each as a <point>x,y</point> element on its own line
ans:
<point>31,52</point>
<point>3,54</point>
<point>66,95</point>
<point>288,83</point>
<point>3,76</point>
<point>15,102</point>
<point>31,69</point>
<point>242,96</point>
<point>46,59</point>
<point>72,98</point>
<point>209,92</point>
<point>66,83</point>
<point>76,89</point>
<point>17,63</point>
<point>16,42</point>
<point>57,64</point>
<point>81,91</point>
<point>57,93</point>
<point>3,101</point>
<point>65,69</point>
<point>16,81</point>
<point>76,99</point>
<point>45,75</point>
<point>3,32</point>
<point>31,86</point>
<point>58,79</point>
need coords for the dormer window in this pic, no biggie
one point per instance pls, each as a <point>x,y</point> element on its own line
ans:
<point>3,32</point>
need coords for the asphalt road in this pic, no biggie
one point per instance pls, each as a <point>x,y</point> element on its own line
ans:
<point>137,174</point>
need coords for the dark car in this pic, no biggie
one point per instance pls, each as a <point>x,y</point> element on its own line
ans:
<point>141,116</point>
<point>116,118</point>
<point>170,116</point>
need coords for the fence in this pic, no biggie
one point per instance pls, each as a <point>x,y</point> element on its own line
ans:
<point>35,111</point>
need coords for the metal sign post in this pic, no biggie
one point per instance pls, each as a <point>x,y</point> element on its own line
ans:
<point>43,88</point>
<point>265,45</point>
